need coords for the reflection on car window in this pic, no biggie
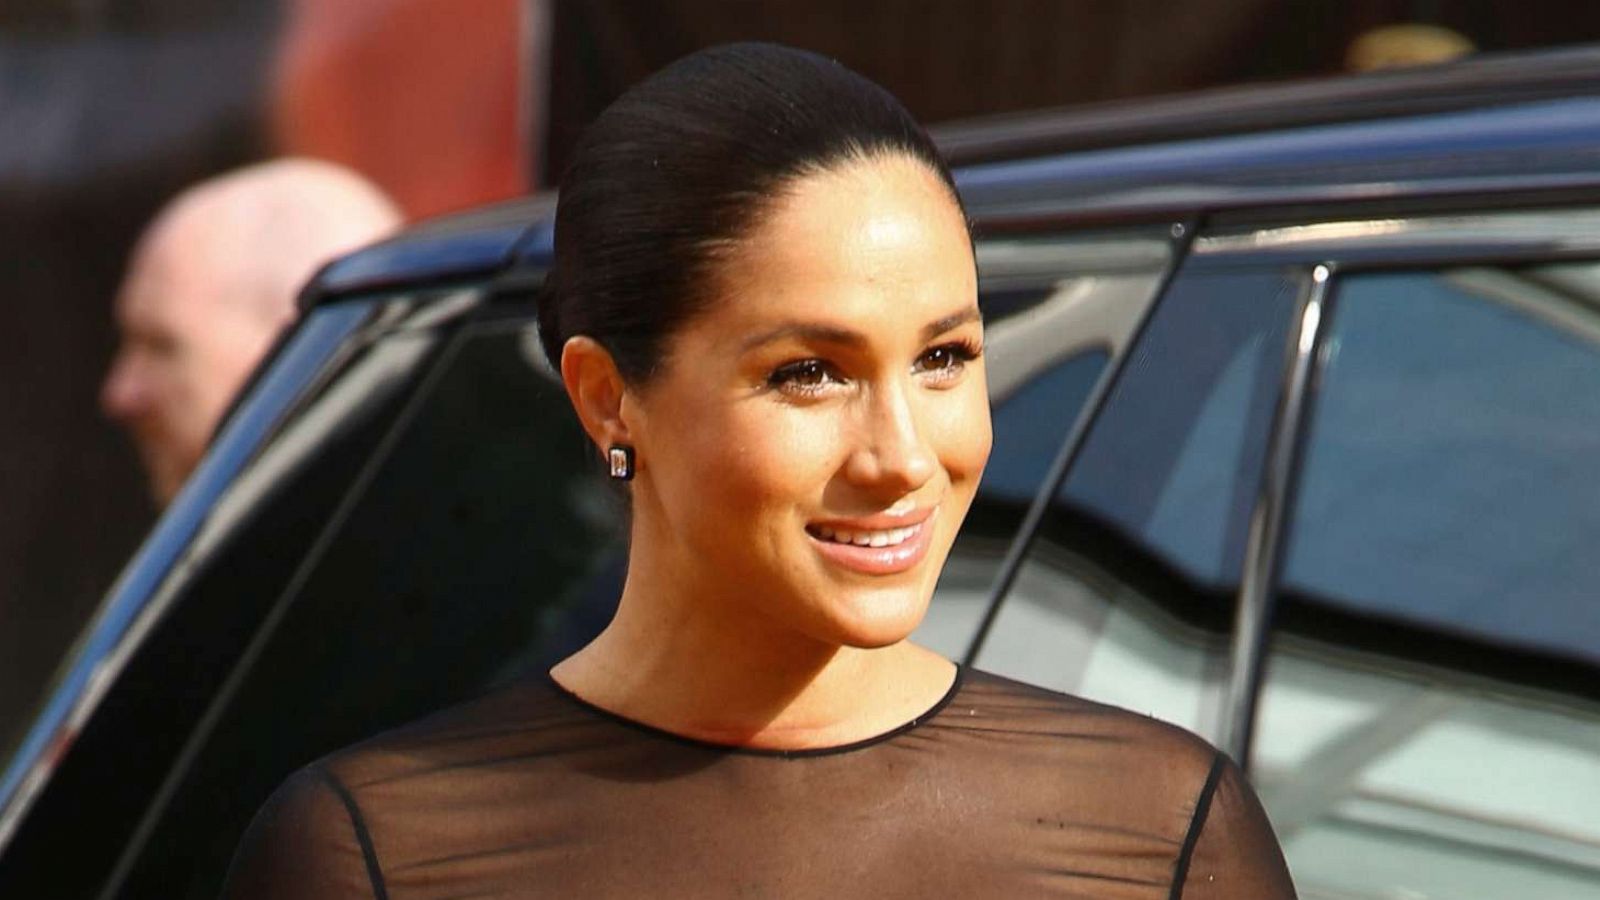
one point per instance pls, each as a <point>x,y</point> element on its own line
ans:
<point>1056,311</point>
<point>1184,434</point>
<point>1431,706</point>
<point>1126,595</point>
<point>1023,447</point>
<point>1456,452</point>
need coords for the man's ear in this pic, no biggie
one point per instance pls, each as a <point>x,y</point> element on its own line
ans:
<point>596,389</point>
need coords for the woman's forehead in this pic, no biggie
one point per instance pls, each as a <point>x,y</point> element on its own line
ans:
<point>873,221</point>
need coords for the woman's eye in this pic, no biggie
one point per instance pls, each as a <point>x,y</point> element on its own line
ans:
<point>946,361</point>
<point>805,377</point>
<point>939,358</point>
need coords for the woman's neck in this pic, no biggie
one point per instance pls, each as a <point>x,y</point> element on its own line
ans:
<point>713,672</point>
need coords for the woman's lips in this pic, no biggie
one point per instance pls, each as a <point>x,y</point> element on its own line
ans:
<point>877,546</point>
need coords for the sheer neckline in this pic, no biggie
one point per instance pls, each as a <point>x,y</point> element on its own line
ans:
<point>798,753</point>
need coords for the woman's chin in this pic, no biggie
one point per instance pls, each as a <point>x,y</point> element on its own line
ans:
<point>876,622</point>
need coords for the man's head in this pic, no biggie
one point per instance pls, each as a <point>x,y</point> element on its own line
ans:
<point>210,284</point>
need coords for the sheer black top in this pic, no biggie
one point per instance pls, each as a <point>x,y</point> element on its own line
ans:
<point>1001,790</point>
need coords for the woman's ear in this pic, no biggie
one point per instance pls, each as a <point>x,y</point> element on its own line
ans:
<point>596,389</point>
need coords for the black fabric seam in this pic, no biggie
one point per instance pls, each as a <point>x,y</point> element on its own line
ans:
<point>369,854</point>
<point>662,733</point>
<point>1202,808</point>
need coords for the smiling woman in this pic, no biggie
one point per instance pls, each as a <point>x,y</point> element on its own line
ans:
<point>832,400</point>
<point>764,311</point>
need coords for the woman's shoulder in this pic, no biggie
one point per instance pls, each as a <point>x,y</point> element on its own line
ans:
<point>519,718</point>
<point>1029,707</point>
<point>522,720</point>
<point>1133,773</point>
<point>1158,755</point>
<point>323,825</point>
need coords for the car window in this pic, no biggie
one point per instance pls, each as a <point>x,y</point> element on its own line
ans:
<point>1126,594</point>
<point>427,523</point>
<point>1431,705</point>
<point>216,563</point>
<point>484,523</point>
<point>1056,311</point>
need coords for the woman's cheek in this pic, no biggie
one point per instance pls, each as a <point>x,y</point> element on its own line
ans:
<point>781,456</point>
<point>965,435</point>
<point>983,433</point>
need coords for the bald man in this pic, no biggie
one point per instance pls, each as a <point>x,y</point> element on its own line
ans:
<point>210,284</point>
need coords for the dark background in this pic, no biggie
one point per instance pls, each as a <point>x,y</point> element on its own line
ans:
<point>108,108</point>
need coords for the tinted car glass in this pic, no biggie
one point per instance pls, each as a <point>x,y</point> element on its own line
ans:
<point>207,603</point>
<point>1431,705</point>
<point>298,363</point>
<point>484,520</point>
<point>413,534</point>
<point>1056,310</point>
<point>1126,593</point>
<point>1456,452</point>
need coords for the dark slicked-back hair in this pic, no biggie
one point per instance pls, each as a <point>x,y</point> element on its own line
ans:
<point>681,167</point>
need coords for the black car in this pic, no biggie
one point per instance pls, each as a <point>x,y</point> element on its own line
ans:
<point>1297,444</point>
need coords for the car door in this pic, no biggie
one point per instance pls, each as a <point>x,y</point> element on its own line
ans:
<point>410,533</point>
<point>1429,721</point>
<point>1380,438</point>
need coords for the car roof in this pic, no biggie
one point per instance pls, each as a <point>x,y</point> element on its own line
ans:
<point>1500,79</point>
<point>1494,125</point>
<point>452,247</point>
<point>1545,145</point>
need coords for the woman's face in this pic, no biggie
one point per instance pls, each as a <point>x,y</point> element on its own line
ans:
<point>815,437</point>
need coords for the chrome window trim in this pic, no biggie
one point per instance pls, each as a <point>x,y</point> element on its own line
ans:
<point>1419,239</point>
<point>1264,544</point>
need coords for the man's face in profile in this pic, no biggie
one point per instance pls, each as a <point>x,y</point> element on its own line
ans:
<point>186,348</point>
<point>211,284</point>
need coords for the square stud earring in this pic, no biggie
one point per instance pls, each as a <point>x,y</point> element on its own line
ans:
<point>620,457</point>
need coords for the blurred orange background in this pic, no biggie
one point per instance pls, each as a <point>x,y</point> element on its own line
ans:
<point>366,84</point>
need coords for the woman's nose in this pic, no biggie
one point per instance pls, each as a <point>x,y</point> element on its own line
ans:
<point>892,456</point>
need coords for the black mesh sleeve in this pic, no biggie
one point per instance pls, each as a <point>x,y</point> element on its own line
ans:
<point>1232,854</point>
<point>307,842</point>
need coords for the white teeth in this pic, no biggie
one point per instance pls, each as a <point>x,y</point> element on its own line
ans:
<point>887,538</point>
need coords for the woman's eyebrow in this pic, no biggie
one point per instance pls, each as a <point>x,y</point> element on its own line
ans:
<point>806,331</point>
<point>831,334</point>
<point>940,326</point>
